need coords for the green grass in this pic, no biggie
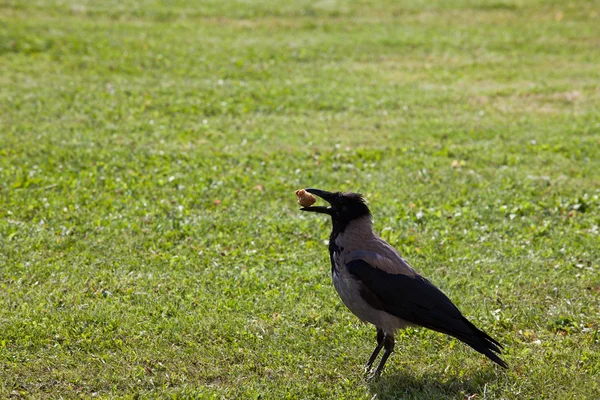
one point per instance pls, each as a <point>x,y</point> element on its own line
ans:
<point>150,244</point>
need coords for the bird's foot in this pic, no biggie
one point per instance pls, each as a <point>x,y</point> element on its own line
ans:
<point>381,365</point>
<point>374,375</point>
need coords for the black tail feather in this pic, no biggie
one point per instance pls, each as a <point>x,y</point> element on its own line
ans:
<point>482,342</point>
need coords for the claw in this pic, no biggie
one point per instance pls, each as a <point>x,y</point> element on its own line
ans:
<point>374,375</point>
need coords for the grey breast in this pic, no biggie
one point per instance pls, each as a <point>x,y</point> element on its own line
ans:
<point>349,289</point>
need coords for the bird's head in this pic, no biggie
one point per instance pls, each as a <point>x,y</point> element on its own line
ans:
<point>344,207</point>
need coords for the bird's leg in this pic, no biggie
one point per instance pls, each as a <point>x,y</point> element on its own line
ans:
<point>388,344</point>
<point>376,351</point>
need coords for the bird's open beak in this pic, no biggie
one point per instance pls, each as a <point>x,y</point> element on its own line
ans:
<point>327,196</point>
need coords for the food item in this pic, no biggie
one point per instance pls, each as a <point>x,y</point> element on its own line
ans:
<point>305,199</point>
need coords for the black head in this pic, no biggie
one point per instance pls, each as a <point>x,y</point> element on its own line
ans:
<point>344,207</point>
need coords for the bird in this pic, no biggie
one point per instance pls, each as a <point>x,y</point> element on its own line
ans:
<point>380,287</point>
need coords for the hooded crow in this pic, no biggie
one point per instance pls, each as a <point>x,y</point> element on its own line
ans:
<point>380,287</point>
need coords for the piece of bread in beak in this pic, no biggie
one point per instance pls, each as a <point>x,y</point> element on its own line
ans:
<point>305,199</point>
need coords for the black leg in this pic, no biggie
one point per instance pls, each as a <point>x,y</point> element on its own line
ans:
<point>376,351</point>
<point>388,344</point>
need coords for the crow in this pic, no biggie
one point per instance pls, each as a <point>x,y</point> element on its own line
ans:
<point>380,287</point>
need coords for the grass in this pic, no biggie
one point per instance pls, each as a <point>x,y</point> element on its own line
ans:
<point>150,244</point>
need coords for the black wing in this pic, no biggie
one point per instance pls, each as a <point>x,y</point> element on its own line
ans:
<point>418,301</point>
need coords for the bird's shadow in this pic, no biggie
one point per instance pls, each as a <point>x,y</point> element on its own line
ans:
<point>431,385</point>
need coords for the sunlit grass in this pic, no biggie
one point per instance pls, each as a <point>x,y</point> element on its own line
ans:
<point>150,243</point>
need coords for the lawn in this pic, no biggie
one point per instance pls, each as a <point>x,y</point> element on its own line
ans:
<point>150,242</point>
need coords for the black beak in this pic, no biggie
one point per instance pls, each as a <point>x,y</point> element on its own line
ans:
<point>327,196</point>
